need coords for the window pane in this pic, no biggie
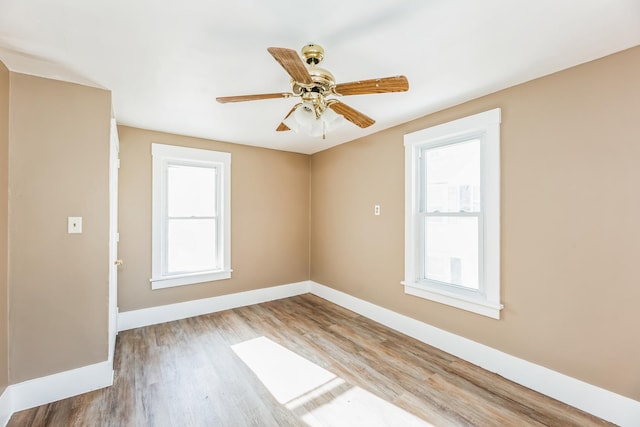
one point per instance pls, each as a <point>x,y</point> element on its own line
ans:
<point>191,191</point>
<point>191,245</point>
<point>451,250</point>
<point>453,177</point>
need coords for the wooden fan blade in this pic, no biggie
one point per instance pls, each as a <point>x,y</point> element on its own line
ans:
<point>383,85</point>
<point>292,64</point>
<point>354,116</point>
<point>282,127</point>
<point>241,98</point>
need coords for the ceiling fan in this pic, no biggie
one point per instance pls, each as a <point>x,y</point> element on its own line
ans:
<point>317,110</point>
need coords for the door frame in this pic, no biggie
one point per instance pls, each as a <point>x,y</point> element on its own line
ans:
<point>114,237</point>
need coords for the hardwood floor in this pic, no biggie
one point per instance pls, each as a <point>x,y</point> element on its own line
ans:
<point>294,362</point>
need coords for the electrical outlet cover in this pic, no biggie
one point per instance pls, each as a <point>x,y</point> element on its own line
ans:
<point>74,225</point>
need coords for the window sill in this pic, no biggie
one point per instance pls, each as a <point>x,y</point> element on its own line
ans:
<point>464,302</point>
<point>189,279</point>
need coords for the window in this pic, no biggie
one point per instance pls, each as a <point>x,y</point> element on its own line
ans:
<point>191,216</point>
<point>452,213</point>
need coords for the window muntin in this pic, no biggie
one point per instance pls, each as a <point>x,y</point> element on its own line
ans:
<point>191,216</point>
<point>452,220</point>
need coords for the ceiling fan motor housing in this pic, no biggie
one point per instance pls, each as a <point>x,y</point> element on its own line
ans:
<point>323,82</point>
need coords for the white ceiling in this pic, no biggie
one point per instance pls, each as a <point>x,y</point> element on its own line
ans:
<point>166,61</point>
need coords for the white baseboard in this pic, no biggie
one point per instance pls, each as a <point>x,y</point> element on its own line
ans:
<point>602,403</point>
<point>166,313</point>
<point>40,391</point>
<point>595,400</point>
<point>59,386</point>
<point>6,409</point>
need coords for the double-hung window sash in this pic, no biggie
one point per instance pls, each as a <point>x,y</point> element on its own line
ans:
<point>450,215</point>
<point>191,239</point>
<point>191,221</point>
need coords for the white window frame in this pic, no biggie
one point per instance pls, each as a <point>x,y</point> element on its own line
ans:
<point>164,155</point>
<point>486,127</point>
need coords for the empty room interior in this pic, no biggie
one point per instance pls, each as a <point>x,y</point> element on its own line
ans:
<point>290,213</point>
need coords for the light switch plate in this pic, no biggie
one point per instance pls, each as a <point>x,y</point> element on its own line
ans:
<point>74,224</point>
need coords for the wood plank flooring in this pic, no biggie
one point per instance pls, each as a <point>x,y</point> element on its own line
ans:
<point>295,362</point>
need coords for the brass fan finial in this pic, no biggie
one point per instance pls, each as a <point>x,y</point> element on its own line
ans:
<point>312,54</point>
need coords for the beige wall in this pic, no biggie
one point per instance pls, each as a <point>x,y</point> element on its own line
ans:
<point>4,224</point>
<point>569,223</point>
<point>59,157</point>
<point>570,235</point>
<point>269,220</point>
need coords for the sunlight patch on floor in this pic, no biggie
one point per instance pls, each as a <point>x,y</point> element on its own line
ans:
<point>316,395</point>
<point>283,372</point>
<point>358,407</point>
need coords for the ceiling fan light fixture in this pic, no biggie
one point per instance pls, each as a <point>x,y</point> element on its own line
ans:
<point>302,118</point>
<point>332,119</point>
<point>310,120</point>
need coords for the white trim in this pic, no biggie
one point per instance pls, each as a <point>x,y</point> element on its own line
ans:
<point>595,400</point>
<point>167,313</point>
<point>114,164</point>
<point>484,126</point>
<point>40,391</point>
<point>188,279</point>
<point>478,305</point>
<point>162,155</point>
<point>43,390</point>
<point>6,409</point>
